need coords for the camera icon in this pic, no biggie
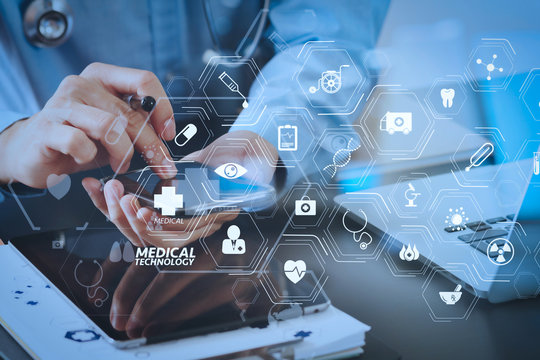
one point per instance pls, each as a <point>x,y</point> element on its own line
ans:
<point>305,207</point>
<point>393,122</point>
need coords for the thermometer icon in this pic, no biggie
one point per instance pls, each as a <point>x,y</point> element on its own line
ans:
<point>233,86</point>
<point>480,155</point>
<point>536,163</point>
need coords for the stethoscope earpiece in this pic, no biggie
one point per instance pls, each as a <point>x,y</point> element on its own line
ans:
<point>48,23</point>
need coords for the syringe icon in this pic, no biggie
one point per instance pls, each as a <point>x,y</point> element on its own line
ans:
<point>536,163</point>
<point>233,86</point>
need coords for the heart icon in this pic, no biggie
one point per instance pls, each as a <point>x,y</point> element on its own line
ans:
<point>295,270</point>
<point>58,185</point>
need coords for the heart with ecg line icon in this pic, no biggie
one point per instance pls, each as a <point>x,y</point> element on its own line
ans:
<point>294,270</point>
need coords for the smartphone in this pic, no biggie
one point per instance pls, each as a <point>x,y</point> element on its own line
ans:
<point>203,190</point>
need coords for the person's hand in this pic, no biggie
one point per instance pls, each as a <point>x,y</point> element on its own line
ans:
<point>257,155</point>
<point>148,303</point>
<point>75,130</point>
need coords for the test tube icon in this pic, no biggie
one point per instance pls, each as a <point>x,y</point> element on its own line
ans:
<point>536,163</point>
<point>233,86</point>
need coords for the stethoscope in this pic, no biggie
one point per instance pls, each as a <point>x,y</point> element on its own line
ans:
<point>49,23</point>
<point>363,244</point>
<point>98,302</point>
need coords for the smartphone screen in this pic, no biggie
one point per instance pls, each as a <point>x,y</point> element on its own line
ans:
<point>202,190</point>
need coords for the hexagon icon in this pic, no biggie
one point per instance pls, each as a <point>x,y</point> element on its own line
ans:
<point>450,212</point>
<point>377,62</point>
<point>396,123</point>
<point>411,195</point>
<point>528,161</point>
<point>329,77</point>
<point>530,93</point>
<point>527,285</point>
<point>445,300</point>
<point>306,205</point>
<point>295,270</point>
<point>337,148</point>
<point>237,245</point>
<point>403,256</point>
<point>180,89</point>
<point>480,149</point>
<point>446,96</point>
<point>362,240</point>
<point>491,65</point>
<point>245,292</point>
<point>226,83</point>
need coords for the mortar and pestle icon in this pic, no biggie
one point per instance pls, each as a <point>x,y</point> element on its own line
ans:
<point>451,297</point>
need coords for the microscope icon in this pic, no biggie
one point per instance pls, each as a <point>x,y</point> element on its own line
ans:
<point>411,195</point>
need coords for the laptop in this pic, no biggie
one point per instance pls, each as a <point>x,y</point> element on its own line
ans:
<point>486,225</point>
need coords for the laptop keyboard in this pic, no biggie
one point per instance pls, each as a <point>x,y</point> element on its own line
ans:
<point>483,233</point>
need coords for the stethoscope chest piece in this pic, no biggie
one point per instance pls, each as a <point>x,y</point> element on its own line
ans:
<point>48,23</point>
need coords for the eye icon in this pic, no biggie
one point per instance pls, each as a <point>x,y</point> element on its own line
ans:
<point>230,170</point>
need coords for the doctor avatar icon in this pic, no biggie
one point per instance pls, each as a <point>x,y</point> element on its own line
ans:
<point>233,245</point>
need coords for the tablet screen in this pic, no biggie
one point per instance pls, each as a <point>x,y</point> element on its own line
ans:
<point>160,293</point>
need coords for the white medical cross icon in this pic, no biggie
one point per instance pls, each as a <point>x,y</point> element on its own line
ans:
<point>168,201</point>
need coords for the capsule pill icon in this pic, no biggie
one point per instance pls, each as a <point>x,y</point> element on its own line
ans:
<point>185,134</point>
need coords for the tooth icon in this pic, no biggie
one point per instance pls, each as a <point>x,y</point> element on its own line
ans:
<point>447,96</point>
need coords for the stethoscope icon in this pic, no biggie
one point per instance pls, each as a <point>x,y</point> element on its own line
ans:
<point>363,244</point>
<point>92,294</point>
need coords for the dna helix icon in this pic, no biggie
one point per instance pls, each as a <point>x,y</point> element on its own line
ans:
<point>341,158</point>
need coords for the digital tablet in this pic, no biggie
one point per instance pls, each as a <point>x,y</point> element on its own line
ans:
<point>132,303</point>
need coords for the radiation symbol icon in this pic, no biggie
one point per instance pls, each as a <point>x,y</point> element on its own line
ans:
<point>500,251</point>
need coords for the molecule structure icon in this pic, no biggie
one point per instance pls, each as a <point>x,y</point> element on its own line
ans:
<point>489,67</point>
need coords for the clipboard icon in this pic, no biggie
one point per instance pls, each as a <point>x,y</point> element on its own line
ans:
<point>288,138</point>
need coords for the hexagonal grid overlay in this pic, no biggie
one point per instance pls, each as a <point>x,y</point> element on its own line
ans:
<point>403,259</point>
<point>527,159</point>
<point>530,93</point>
<point>361,241</point>
<point>397,124</point>
<point>452,209</point>
<point>188,119</point>
<point>446,96</point>
<point>411,195</point>
<point>445,301</point>
<point>329,77</point>
<point>491,65</point>
<point>299,260</point>
<point>344,144</point>
<point>306,205</point>
<point>226,83</point>
<point>480,148</point>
